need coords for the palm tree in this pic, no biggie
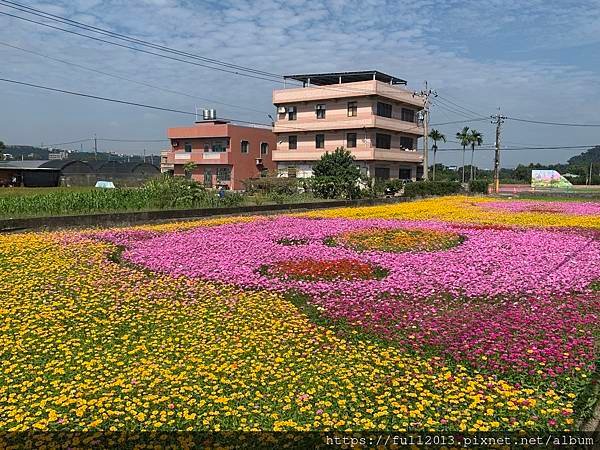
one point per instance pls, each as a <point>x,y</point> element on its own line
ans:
<point>436,136</point>
<point>476,138</point>
<point>464,140</point>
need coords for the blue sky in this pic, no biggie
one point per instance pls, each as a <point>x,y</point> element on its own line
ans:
<point>535,59</point>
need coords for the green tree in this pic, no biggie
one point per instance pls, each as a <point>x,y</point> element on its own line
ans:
<point>2,147</point>
<point>336,174</point>
<point>188,169</point>
<point>464,140</point>
<point>436,136</point>
<point>476,139</point>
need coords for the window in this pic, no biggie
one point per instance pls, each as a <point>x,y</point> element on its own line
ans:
<point>264,148</point>
<point>292,113</point>
<point>383,140</point>
<point>384,109</point>
<point>407,142</point>
<point>320,109</point>
<point>408,115</point>
<point>188,147</point>
<point>245,146</point>
<point>223,173</point>
<point>207,147</point>
<point>292,172</point>
<point>351,140</point>
<point>293,142</point>
<point>219,147</point>
<point>352,109</point>
<point>382,173</point>
<point>404,174</point>
<point>320,141</point>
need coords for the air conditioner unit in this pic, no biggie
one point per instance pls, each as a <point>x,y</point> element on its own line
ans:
<point>281,110</point>
<point>175,143</point>
<point>259,161</point>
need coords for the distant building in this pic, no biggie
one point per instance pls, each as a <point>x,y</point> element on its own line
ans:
<point>223,154</point>
<point>62,154</point>
<point>369,113</point>
<point>44,173</point>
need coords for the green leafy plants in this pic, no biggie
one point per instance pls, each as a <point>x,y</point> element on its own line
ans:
<point>424,188</point>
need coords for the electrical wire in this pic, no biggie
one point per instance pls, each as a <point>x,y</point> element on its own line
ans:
<point>139,49</point>
<point>171,91</point>
<point>115,35</point>
<point>540,122</point>
<point>470,111</point>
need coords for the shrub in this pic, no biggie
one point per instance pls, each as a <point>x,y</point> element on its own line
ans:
<point>336,175</point>
<point>423,188</point>
<point>334,187</point>
<point>479,186</point>
<point>269,185</point>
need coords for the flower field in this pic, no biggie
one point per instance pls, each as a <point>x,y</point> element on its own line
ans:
<point>450,314</point>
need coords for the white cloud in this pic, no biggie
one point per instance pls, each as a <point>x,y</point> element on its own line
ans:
<point>416,40</point>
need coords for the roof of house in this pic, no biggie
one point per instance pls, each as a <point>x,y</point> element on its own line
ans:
<point>31,164</point>
<point>321,79</point>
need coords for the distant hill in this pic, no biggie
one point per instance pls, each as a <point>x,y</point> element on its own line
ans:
<point>589,156</point>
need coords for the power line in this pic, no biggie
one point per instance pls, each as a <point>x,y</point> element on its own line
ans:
<point>568,147</point>
<point>124,102</point>
<point>443,97</point>
<point>171,91</point>
<point>70,142</point>
<point>115,35</point>
<point>96,97</point>
<point>554,123</point>
<point>442,104</point>
<point>474,119</point>
<point>267,76</point>
<point>139,49</point>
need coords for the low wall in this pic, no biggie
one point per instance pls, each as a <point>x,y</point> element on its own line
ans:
<point>129,218</point>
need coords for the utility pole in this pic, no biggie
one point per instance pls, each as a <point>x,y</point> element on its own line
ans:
<point>498,119</point>
<point>95,147</point>
<point>590,176</point>
<point>144,155</point>
<point>425,94</point>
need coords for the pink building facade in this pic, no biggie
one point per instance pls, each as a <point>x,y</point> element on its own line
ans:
<point>224,154</point>
<point>369,113</point>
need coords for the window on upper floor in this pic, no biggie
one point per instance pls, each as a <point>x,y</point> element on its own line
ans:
<point>408,115</point>
<point>292,113</point>
<point>292,142</point>
<point>320,141</point>
<point>351,140</point>
<point>407,142</point>
<point>188,147</point>
<point>264,148</point>
<point>383,140</point>
<point>384,109</point>
<point>245,146</point>
<point>320,111</point>
<point>206,147</point>
<point>352,109</point>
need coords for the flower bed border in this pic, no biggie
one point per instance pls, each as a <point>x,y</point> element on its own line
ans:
<point>130,218</point>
